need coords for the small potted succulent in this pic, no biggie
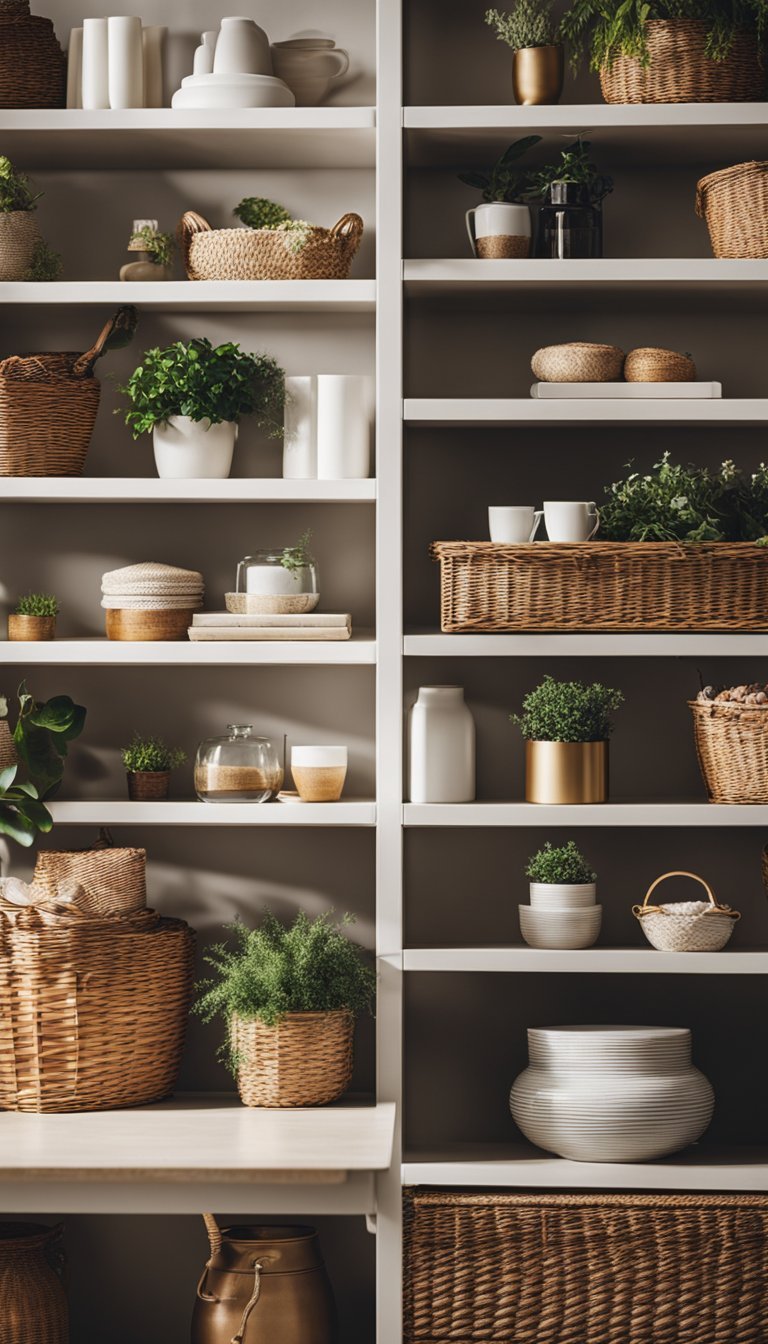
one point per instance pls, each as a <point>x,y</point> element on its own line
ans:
<point>148,764</point>
<point>288,995</point>
<point>572,191</point>
<point>537,56</point>
<point>34,617</point>
<point>192,395</point>
<point>501,226</point>
<point>566,726</point>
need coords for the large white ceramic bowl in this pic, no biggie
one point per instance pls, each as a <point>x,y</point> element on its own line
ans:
<point>563,895</point>
<point>567,929</point>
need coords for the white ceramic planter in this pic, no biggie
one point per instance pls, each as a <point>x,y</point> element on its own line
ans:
<point>195,449</point>
<point>563,895</point>
<point>499,230</point>
<point>441,747</point>
<point>300,421</point>
<point>570,930</point>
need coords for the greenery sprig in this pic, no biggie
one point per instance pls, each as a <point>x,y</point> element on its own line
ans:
<point>574,166</point>
<point>568,711</point>
<point>16,192</point>
<point>37,604</point>
<point>297,557</point>
<point>205,382</point>
<point>150,753</point>
<point>159,246</point>
<point>559,864</point>
<point>671,502</point>
<point>506,180</point>
<point>529,24</point>
<point>46,265</point>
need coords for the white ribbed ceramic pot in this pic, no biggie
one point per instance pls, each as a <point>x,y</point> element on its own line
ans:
<point>611,1094</point>
<point>563,895</point>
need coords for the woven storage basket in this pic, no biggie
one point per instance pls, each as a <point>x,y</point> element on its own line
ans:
<point>679,70</point>
<point>93,1012</point>
<point>686,926</point>
<point>265,254</point>
<point>32,64</point>
<point>18,235</point>
<point>33,1301</point>
<point>585,1269</point>
<point>602,585</point>
<point>305,1060</point>
<point>46,415</point>
<point>732,747</point>
<point>112,878</point>
<point>734,204</point>
<point>648,364</point>
<point>578,362</point>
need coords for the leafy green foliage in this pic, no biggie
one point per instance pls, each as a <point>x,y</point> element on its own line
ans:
<point>296,557</point>
<point>37,604</point>
<point>749,506</point>
<point>563,863</point>
<point>258,213</point>
<point>609,28</point>
<point>45,264</point>
<point>296,234</point>
<point>568,711</point>
<point>22,814</point>
<point>43,732</point>
<point>15,189</point>
<point>574,165</point>
<point>529,24</point>
<point>669,503</point>
<point>159,246</point>
<point>506,180</point>
<point>150,753</point>
<point>203,381</point>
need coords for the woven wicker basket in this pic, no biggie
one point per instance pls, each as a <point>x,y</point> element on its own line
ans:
<point>602,585</point>
<point>265,254</point>
<point>734,204</point>
<point>113,879</point>
<point>306,1060</point>
<point>577,1269</point>
<point>32,64</point>
<point>679,70</point>
<point>648,364</point>
<point>8,754</point>
<point>732,747</point>
<point>33,1297</point>
<point>578,362</point>
<point>18,235</point>
<point>46,415</point>
<point>93,1012</point>
<point>686,926</point>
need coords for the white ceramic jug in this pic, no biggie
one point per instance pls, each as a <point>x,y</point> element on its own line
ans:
<point>499,230</point>
<point>441,747</point>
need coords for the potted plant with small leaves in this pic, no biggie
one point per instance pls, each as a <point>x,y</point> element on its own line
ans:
<point>34,617</point>
<point>276,582</point>
<point>501,226</point>
<point>563,890</point>
<point>148,764</point>
<point>153,253</point>
<point>572,191</point>
<point>567,726</point>
<point>537,56</point>
<point>19,233</point>
<point>288,995</point>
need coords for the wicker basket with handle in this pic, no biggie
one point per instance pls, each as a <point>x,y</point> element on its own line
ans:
<point>268,254</point>
<point>732,749</point>
<point>686,926</point>
<point>304,1060</point>
<point>622,1268</point>
<point>679,70</point>
<point>602,585</point>
<point>113,878</point>
<point>734,204</point>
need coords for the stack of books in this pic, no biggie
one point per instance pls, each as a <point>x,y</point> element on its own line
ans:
<point>228,626</point>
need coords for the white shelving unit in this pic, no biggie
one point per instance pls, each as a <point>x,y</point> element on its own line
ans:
<point>522,411</point>
<point>358,651</point>
<point>589,961</point>
<point>588,814</point>
<point>201,296</point>
<point>427,277</point>
<point>145,490</point>
<point>431,645</point>
<point>104,812</point>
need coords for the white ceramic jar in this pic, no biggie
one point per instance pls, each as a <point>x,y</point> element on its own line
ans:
<point>197,449</point>
<point>344,424</point>
<point>242,48</point>
<point>441,747</point>
<point>611,1094</point>
<point>499,230</point>
<point>125,62</point>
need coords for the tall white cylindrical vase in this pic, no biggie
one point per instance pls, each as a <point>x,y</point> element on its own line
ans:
<point>441,747</point>
<point>75,68</point>
<point>95,91</point>
<point>126,63</point>
<point>153,43</point>
<point>344,420</point>
<point>300,420</point>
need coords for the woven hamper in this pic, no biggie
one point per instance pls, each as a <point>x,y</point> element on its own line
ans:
<point>112,878</point>
<point>304,1060</point>
<point>734,205</point>
<point>46,415</point>
<point>679,70</point>
<point>265,254</point>
<point>585,1269</point>
<point>602,585</point>
<point>732,750</point>
<point>32,64</point>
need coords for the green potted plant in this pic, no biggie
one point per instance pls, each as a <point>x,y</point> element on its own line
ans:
<point>501,226</point>
<point>191,396</point>
<point>148,763</point>
<point>566,726</point>
<point>288,994</point>
<point>572,191</point>
<point>19,233</point>
<point>32,757</point>
<point>34,617</point>
<point>676,502</point>
<point>537,56</point>
<point>154,253</point>
<point>563,891</point>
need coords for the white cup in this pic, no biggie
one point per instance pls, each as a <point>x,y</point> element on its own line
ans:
<point>513,524</point>
<point>319,773</point>
<point>570,520</point>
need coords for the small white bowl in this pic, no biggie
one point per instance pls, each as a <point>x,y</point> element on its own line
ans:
<point>566,929</point>
<point>563,895</point>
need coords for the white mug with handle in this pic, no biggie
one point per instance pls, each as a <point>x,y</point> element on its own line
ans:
<point>571,520</point>
<point>513,524</point>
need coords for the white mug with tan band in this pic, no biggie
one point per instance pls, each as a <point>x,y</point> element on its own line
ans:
<point>499,230</point>
<point>571,520</point>
<point>319,773</point>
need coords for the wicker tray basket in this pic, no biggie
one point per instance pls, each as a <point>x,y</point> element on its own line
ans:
<point>113,878</point>
<point>602,585</point>
<point>732,748</point>
<point>265,254</point>
<point>47,415</point>
<point>577,1269</point>
<point>734,204</point>
<point>679,70</point>
<point>305,1060</point>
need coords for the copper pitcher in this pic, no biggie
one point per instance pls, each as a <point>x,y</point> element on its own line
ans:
<point>263,1285</point>
<point>33,1303</point>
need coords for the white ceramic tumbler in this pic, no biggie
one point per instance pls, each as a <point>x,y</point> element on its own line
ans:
<point>153,43</point>
<point>300,420</point>
<point>344,422</point>
<point>75,68</point>
<point>126,63</point>
<point>95,91</point>
<point>441,747</point>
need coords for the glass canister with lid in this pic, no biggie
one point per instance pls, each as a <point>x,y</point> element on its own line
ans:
<point>277,581</point>
<point>238,767</point>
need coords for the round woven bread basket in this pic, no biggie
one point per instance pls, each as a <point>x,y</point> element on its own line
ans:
<point>578,362</point>
<point>18,235</point>
<point>32,64</point>
<point>47,415</point>
<point>113,879</point>
<point>649,364</point>
<point>732,749</point>
<point>686,926</point>
<point>734,205</point>
<point>679,70</point>
<point>268,254</point>
<point>304,1060</point>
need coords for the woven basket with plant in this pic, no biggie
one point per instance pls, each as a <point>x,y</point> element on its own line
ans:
<point>272,246</point>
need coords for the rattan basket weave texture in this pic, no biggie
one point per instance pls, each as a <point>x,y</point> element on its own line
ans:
<point>32,1294</point>
<point>651,364</point>
<point>734,204</point>
<point>112,878</point>
<point>32,64</point>
<point>578,362</point>
<point>679,70</point>
<point>732,748</point>
<point>267,254</point>
<point>46,415</point>
<point>305,1060</point>
<point>585,1269</point>
<point>18,235</point>
<point>602,585</point>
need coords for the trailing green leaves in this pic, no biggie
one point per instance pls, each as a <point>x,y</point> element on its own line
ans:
<point>673,502</point>
<point>42,735</point>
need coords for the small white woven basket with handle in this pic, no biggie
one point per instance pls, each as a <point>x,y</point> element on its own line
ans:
<point>686,926</point>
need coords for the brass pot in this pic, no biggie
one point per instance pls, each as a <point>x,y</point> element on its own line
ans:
<point>264,1285</point>
<point>33,1303</point>
<point>537,75</point>
<point>566,772</point>
<point>31,627</point>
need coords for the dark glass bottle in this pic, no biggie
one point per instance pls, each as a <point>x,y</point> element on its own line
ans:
<point>569,224</point>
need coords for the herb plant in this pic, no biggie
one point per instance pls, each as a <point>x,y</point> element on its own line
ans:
<point>568,711</point>
<point>559,864</point>
<point>159,246</point>
<point>506,180</point>
<point>609,28</point>
<point>205,382</point>
<point>297,557</point>
<point>529,24</point>
<point>258,213</point>
<point>574,165</point>
<point>150,753</point>
<point>749,506</point>
<point>15,189</point>
<point>37,604</point>
<point>46,264</point>
<point>671,502</point>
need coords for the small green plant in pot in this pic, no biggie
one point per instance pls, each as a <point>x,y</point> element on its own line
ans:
<point>192,395</point>
<point>19,234</point>
<point>148,763</point>
<point>501,226</point>
<point>152,253</point>
<point>32,756</point>
<point>34,617</point>
<point>563,891</point>
<point>572,191</point>
<point>567,726</point>
<point>288,995</point>
<point>537,56</point>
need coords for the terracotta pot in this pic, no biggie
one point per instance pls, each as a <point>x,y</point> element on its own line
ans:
<point>148,786</point>
<point>34,1304</point>
<point>537,75</point>
<point>31,627</point>
<point>566,772</point>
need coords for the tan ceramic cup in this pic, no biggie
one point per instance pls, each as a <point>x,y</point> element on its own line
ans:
<point>319,773</point>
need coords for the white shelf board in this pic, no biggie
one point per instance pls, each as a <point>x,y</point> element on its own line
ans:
<point>601,960</point>
<point>348,812</point>
<point>700,1168</point>
<point>588,814</point>
<point>218,296</point>
<point>433,645</point>
<point>530,411</point>
<point>462,276</point>
<point>302,137</point>
<point>177,1154</point>
<point>149,490</point>
<point>360,650</point>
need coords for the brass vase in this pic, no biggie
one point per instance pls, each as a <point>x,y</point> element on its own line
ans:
<point>566,772</point>
<point>537,75</point>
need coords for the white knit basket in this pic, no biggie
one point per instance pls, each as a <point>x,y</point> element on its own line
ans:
<point>686,926</point>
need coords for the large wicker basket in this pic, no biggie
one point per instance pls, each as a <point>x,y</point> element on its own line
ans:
<point>268,254</point>
<point>679,70</point>
<point>578,1269</point>
<point>32,64</point>
<point>305,1060</point>
<point>47,415</point>
<point>732,747</point>
<point>602,585</point>
<point>734,204</point>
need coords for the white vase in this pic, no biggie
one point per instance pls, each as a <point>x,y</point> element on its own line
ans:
<point>153,43</point>
<point>75,68</point>
<point>344,422</point>
<point>499,229</point>
<point>441,747</point>
<point>242,48</point>
<point>126,63</point>
<point>300,421</point>
<point>95,93</point>
<point>193,449</point>
<point>203,62</point>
